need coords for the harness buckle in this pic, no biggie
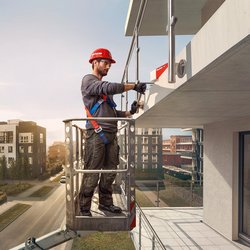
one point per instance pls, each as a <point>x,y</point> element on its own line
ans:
<point>98,130</point>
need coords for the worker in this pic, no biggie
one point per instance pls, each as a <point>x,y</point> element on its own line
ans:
<point>101,147</point>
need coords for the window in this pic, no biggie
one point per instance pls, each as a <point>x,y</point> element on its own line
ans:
<point>154,158</point>
<point>21,149</point>
<point>2,137</point>
<point>10,149</point>
<point>25,138</point>
<point>145,158</point>
<point>6,137</point>
<point>30,160</point>
<point>154,140</point>
<point>144,149</point>
<point>154,165</point>
<point>41,138</point>
<point>144,140</point>
<point>154,149</point>
<point>2,149</point>
<point>244,190</point>
<point>30,149</point>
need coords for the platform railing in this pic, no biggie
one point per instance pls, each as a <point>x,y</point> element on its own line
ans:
<point>146,231</point>
<point>74,171</point>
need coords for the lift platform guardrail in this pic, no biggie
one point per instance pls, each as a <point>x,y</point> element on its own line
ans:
<point>74,170</point>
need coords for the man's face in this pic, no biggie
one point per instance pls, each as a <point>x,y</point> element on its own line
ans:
<point>103,66</point>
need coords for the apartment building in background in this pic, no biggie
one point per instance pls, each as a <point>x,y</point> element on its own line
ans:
<point>176,151</point>
<point>25,143</point>
<point>148,153</point>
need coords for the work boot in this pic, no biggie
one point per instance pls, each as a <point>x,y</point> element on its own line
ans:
<point>85,212</point>
<point>110,208</point>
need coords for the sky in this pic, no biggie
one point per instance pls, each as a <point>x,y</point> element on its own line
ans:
<point>44,52</point>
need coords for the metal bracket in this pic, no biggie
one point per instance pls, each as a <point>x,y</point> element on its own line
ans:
<point>48,241</point>
<point>181,68</point>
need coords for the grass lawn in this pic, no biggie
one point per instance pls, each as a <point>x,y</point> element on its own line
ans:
<point>43,191</point>
<point>14,188</point>
<point>104,241</point>
<point>142,199</point>
<point>12,214</point>
<point>172,199</point>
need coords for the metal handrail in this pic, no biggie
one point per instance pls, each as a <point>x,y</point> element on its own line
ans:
<point>135,33</point>
<point>74,138</point>
<point>171,38</point>
<point>154,234</point>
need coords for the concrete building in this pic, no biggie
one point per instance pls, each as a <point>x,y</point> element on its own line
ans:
<point>177,150</point>
<point>24,142</point>
<point>214,95</point>
<point>148,153</point>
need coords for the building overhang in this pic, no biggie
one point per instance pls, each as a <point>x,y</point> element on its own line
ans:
<point>217,84</point>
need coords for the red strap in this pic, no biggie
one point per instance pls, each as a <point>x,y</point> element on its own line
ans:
<point>104,97</point>
<point>93,122</point>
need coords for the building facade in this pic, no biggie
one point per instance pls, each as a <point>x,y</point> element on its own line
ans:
<point>177,150</point>
<point>213,94</point>
<point>148,153</point>
<point>24,142</point>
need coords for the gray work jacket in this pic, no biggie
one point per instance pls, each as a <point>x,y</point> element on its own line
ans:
<point>92,89</point>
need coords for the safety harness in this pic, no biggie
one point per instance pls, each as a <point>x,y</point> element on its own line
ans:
<point>96,126</point>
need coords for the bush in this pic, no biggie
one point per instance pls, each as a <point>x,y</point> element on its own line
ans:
<point>3,197</point>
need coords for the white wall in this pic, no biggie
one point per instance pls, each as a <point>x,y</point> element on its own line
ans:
<point>221,175</point>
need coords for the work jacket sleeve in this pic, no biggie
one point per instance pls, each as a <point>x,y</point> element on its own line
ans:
<point>91,85</point>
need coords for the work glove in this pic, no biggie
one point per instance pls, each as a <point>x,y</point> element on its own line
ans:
<point>140,87</point>
<point>134,107</point>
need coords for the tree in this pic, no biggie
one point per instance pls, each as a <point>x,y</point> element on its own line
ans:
<point>3,168</point>
<point>13,170</point>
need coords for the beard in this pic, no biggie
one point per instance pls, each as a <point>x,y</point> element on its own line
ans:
<point>103,72</point>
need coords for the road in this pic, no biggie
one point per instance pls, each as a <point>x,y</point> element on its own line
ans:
<point>43,217</point>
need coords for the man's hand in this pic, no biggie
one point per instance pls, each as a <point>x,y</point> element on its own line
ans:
<point>140,87</point>
<point>134,107</point>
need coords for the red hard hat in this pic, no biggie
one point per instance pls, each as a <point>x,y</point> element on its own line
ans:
<point>101,53</point>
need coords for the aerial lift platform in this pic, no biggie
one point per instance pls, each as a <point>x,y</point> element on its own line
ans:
<point>124,188</point>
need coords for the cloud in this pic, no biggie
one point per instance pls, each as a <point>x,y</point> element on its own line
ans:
<point>4,84</point>
<point>54,129</point>
<point>7,114</point>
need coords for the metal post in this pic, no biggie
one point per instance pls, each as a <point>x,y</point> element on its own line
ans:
<point>77,158</point>
<point>158,199</point>
<point>70,206</point>
<point>140,231</point>
<point>153,242</point>
<point>137,56</point>
<point>171,39</point>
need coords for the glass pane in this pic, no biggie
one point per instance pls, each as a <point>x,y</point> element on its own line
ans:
<point>246,186</point>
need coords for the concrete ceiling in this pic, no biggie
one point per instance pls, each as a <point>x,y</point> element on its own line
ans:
<point>156,17</point>
<point>221,91</point>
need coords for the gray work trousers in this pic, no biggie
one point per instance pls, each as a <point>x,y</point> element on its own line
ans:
<point>98,155</point>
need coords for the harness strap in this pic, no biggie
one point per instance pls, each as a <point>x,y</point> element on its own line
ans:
<point>97,127</point>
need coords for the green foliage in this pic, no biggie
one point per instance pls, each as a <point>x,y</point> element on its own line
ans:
<point>14,189</point>
<point>3,197</point>
<point>142,199</point>
<point>43,191</point>
<point>3,168</point>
